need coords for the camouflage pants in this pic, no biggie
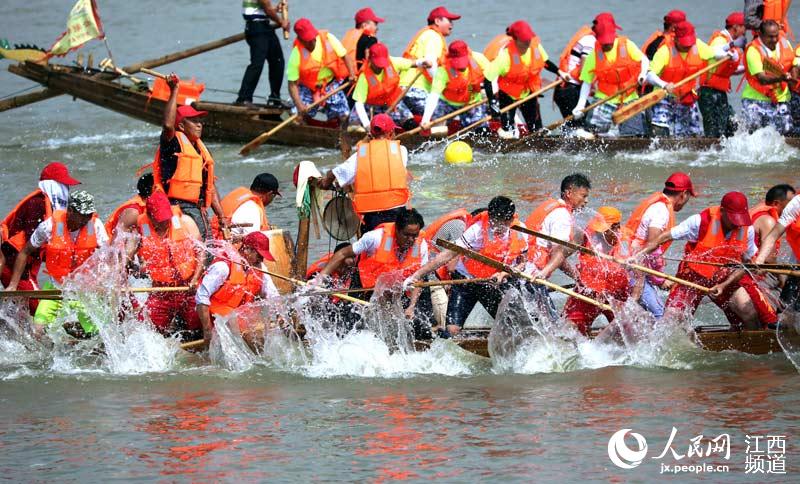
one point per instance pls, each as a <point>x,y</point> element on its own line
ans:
<point>717,113</point>
<point>758,114</point>
<point>335,107</point>
<point>466,119</point>
<point>680,119</point>
<point>794,107</point>
<point>415,100</point>
<point>400,113</point>
<point>600,121</point>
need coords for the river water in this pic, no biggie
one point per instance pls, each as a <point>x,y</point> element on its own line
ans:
<point>350,409</point>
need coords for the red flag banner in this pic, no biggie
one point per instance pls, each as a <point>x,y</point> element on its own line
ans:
<point>83,25</point>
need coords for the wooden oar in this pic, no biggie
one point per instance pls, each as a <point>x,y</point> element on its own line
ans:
<point>397,101</point>
<point>628,111</point>
<point>601,255</point>
<point>452,282</point>
<point>284,8</point>
<point>510,270</point>
<point>784,269</point>
<point>193,344</point>
<point>45,293</point>
<point>446,117</point>
<point>260,139</point>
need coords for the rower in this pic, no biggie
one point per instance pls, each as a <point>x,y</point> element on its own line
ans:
<point>599,279</point>
<point>718,235</point>
<point>245,207</point>
<point>616,63</point>
<point>765,99</point>
<point>651,218</point>
<point>123,218</point>
<point>378,86</point>
<point>658,38</point>
<point>357,40</point>
<point>788,223</point>
<point>715,85</point>
<point>428,43</point>
<point>230,284</point>
<point>18,226</point>
<point>678,114</point>
<point>67,238</point>
<point>261,21</point>
<point>457,82</point>
<point>343,275</point>
<point>518,66</point>
<point>491,235</point>
<point>183,167</point>
<point>377,173</point>
<point>170,249</point>
<point>318,64</point>
<point>554,217</point>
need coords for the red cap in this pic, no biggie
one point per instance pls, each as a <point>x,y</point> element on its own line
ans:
<point>439,12</point>
<point>187,111</point>
<point>458,53</point>
<point>259,242</point>
<point>381,124</point>
<point>365,15</point>
<point>736,18</point>
<point>675,17</point>
<point>305,30</point>
<point>606,17</point>
<point>684,34</point>
<point>735,206</point>
<point>605,32</point>
<point>58,172</point>
<point>680,182</point>
<point>158,207</point>
<point>379,55</point>
<point>520,30</point>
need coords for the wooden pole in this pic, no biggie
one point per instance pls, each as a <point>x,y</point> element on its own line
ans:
<point>183,54</point>
<point>397,101</point>
<point>446,117</point>
<point>44,293</point>
<point>30,98</point>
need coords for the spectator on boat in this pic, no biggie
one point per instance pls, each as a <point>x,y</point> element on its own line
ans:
<point>246,207</point>
<point>769,62</point>
<point>359,39</point>
<point>378,176</point>
<point>262,19</point>
<point>428,43</point>
<point>123,219</point>
<point>18,226</point>
<point>718,235</point>
<point>183,167</point>
<point>654,216</point>
<point>789,224</point>
<point>318,64</point>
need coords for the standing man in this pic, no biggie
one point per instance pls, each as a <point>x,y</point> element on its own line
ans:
<point>362,37</point>
<point>788,223</point>
<point>245,208</point>
<point>716,84</point>
<point>261,21</point>
<point>183,167</point>
<point>124,218</point>
<point>318,65</point>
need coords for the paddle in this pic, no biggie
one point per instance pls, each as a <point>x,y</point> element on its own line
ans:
<point>507,108</point>
<point>601,255</point>
<point>446,117</point>
<point>396,102</point>
<point>284,7</point>
<point>510,270</point>
<point>785,269</point>
<point>260,139</point>
<point>628,111</point>
<point>452,282</point>
<point>48,293</point>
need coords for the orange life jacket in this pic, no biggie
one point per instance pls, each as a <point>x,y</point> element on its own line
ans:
<point>536,254</point>
<point>460,87</point>
<point>785,60</point>
<point>679,68</point>
<point>309,67</point>
<point>503,249</point>
<point>793,238</point>
<point>187,181</point>
<point>777,10</point>
<point>520,77</point>
<point>408,53</point>
<point>712,246</point>
<point>171,260</point>
<point>496,45</point>
<point>601,275</point>
<point>235,199</point>
<point>622,73</point>
<point>720,78</point>
<point>316,267</point>
<point>669,40</point>
<point>350,43</point>
<point>381,178</point>
<point>239,289</point>
<point>761,210</point>
<point>19,239</point>
<point>382,92</point>
<point>62,254</point>
<point>636,219</point>
<point>563,60</point>
<point>385,258</point>
<point>113,220</point>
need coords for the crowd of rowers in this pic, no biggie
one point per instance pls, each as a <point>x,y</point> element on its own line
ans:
<point>432,79</point>
<point>163,227</point>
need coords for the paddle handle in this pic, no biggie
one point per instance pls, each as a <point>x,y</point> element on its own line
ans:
<point>588,108</point>
<point>151,72</point>
<point>193,344</point>
<point>397,101</point>
<point>285,15</point>
<point>260,139</point>
<point>568,292</point>
<point>446,117</point>
<point>48,293</point>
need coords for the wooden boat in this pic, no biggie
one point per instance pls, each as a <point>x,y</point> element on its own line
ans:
<point>227,122</point>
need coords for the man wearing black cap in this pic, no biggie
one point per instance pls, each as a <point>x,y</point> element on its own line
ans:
<point>245,207</point>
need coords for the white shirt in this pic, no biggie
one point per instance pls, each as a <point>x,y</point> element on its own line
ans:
<point>248,213</point>
<point>791,213</point>
<point>369,243</point>
<point>584,47</point>
<point>44,233</point>
<point>346,172</point>
<point>215,277</point>
<point>558,224</point>
<point>472,239</point>
<point>656,216</point>
<point>689,230</point>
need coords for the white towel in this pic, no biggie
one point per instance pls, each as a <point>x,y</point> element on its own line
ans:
<point>307,170</point>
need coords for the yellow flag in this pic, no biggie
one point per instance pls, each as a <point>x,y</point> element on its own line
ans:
<point>83,25</point>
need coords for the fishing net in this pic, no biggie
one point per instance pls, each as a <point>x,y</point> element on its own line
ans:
<point>450,231</point>
<point>340,219</point>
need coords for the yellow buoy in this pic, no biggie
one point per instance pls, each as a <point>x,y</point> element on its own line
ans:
<point>458,152</point>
